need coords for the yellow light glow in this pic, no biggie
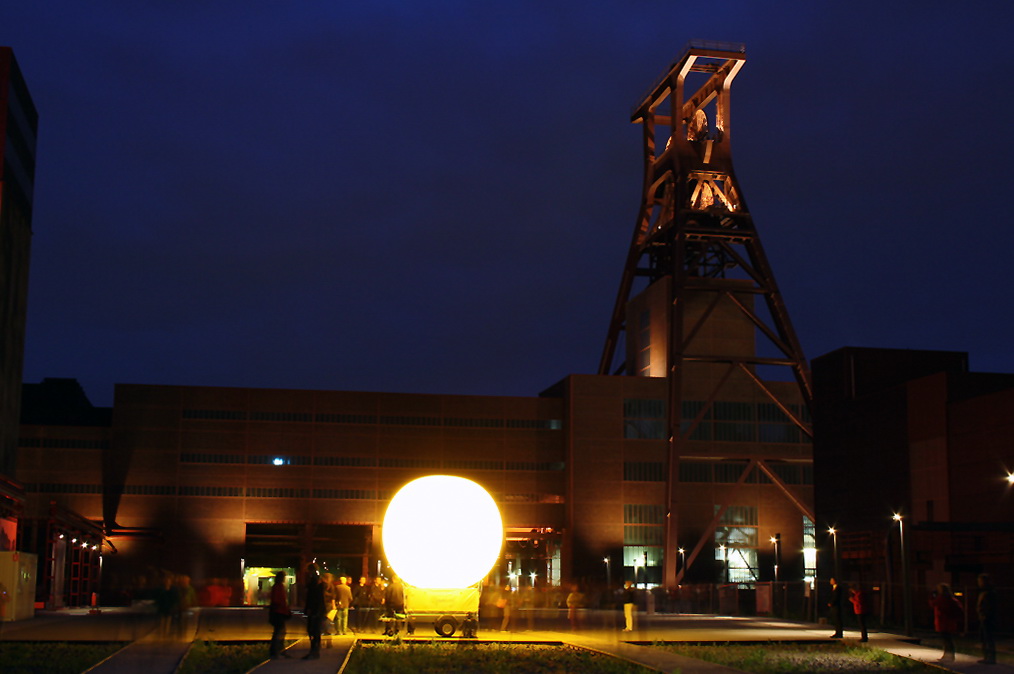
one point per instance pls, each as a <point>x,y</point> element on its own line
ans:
<point>1010,478</point>
<point>442,531</point>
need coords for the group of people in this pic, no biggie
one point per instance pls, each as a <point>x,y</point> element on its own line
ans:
<point>174,601</point>
<point>860,608</point>
<point>329,603</point>
<point>948,615</point>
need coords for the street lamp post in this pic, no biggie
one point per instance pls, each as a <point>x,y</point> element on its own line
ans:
<point>609,571</point>
<point>683,560</point>
<point>906,599</point>
<point>834,549</point>
<point>776,541</point>
<point>725,562</point>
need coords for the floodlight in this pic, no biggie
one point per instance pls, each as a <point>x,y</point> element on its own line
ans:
<point>442,531</point>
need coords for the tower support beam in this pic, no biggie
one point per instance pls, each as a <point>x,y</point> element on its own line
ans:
<point>695,237</point>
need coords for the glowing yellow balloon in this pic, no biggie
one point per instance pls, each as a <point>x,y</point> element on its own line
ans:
<point>442,531</point>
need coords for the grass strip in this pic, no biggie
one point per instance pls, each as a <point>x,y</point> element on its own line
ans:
<point>800,658</point>
<point>443,657</point>
<point>53,657</point>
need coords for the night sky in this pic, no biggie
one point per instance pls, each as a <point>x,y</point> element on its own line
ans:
<point>437,197</point>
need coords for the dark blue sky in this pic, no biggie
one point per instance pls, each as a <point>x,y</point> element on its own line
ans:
<point>438,197</point>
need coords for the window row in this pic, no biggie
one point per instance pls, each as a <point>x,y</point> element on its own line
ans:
<point>724,472</point>
<point>368,462</point>
<point>646,419</point>
<point>373,419</point>
<point>63,443</point>
<point>719,472</point>
<point>262,492</point>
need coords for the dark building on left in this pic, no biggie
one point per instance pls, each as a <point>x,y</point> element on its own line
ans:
<point>18,127</point>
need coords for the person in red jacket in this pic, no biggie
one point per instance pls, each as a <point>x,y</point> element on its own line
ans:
<point>278,613</point>
<point>947,618</point>
<point>860,607</point>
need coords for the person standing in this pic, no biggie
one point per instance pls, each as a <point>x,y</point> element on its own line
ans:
<point>835,608</point>
<point>278,613</point>
<point>629,606</point>
<point>186,600</point>
<point>376,601</point>
<point>330,612</point>
<point>859,606</point>
<point>575,600</point>
<point>947,617</point>
<point>394,605</point>
<point>342,602</point>
<point>165,604</point>
<point>314,611</point>
<point>985,608</point>
<point>506,604</point>
<point>360,604</point>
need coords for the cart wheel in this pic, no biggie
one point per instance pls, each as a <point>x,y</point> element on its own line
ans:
<point>445,625</point>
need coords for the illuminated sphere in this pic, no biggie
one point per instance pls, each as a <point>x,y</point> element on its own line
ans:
<point>442,531</point>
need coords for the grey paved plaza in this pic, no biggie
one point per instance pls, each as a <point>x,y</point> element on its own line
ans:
<point>152,653</point>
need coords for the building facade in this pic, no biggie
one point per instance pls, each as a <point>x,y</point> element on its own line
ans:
<point>212,481</point>
<point>914,434</point>
<point>18,127</point>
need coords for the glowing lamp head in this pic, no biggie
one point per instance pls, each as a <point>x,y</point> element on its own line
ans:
<point>442,531</point>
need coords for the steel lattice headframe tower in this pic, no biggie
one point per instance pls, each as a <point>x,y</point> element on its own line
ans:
<point>694,231</point>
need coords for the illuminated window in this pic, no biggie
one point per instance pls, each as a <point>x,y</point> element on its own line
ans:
<point>642,524</point>
<point>809,550</point>
<point>737,531</point>
<point>280,460</point>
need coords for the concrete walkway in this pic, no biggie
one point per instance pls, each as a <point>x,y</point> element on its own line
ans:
<point>653,658</point>
<point>968,664</point>
<point>154,653</point>
<point>331,660</point>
